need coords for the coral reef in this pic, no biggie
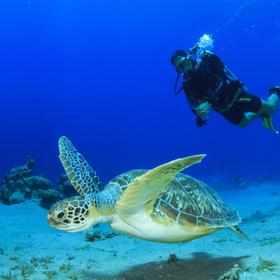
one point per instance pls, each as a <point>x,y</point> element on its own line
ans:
<point>268,179</point>
<point>20,185</point>
<point>65,187</point>
<point>232,274</point>
<point>172,258</point>
<point>240,183</point>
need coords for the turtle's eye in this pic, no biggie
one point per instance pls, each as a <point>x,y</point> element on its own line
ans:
<point>60,214</point>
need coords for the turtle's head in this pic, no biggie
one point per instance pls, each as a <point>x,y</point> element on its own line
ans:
<point>70,214</point>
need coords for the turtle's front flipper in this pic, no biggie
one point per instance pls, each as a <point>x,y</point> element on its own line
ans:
<point>80,174</point>
<point>142,192</point>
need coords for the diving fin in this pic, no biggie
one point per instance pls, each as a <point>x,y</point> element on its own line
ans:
<point>267,122</point>
<point>275,89</point>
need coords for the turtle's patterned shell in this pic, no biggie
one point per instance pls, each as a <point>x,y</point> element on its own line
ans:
<point>124,179</point>
<point>189,200</point>
<point>186,200</point>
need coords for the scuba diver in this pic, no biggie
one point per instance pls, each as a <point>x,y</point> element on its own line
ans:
<point>209,84</point>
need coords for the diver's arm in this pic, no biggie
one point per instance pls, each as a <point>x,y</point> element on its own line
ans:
<point>201,108</point>
<point>193,102</point>
<point>200,119</point>
<point>201,111</point>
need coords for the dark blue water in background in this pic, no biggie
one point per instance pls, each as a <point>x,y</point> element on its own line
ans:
<point>99,72</point>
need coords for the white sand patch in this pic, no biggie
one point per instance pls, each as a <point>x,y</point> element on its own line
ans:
<point>30,249</point>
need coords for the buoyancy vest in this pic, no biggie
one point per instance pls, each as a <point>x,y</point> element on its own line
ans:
<point>211,81</point>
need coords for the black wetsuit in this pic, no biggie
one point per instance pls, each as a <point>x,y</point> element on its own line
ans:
<point>211,81</point>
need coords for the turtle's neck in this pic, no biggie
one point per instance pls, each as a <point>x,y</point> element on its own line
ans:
<point>106,199</point>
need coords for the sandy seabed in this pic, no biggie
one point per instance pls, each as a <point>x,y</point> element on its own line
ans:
<point>30,249</point>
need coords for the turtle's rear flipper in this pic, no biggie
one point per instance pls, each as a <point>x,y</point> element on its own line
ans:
<point>237,230</point>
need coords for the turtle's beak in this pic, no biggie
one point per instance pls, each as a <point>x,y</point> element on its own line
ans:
<point>69,228</point>
<point>53,223</point>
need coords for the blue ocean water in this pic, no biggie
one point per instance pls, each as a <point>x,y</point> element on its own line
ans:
<point>99,72</point>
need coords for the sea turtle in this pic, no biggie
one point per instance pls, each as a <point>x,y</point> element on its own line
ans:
<point>160,205</point>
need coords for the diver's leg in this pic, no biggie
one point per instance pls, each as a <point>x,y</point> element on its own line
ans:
<point>269,106</point>
<point>248,118</point>
<point>265,107</point>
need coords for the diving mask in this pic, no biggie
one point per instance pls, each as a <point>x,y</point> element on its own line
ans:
<point>183,65</point>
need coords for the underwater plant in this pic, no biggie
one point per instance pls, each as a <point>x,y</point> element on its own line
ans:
<point>50,274</point>
<point>266,265</point>
<point>42,262</point>
<point>65,267</point>
<point>8,276</point>
<point>26,270</point>
<point>92,235</point>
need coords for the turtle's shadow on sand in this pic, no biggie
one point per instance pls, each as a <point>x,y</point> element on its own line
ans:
<point>200,267</point>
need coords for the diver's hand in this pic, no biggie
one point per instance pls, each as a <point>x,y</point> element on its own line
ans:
<point>200,122</point>
<point>203,109</point>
